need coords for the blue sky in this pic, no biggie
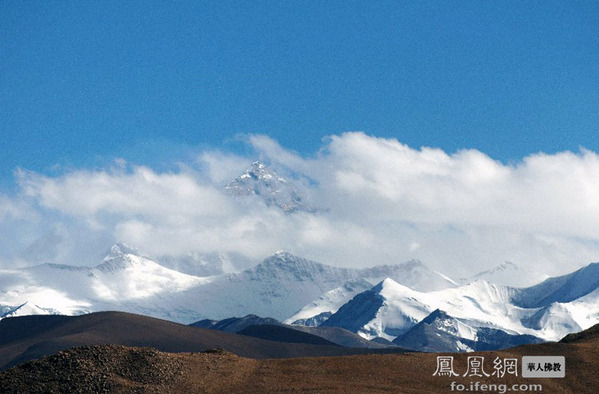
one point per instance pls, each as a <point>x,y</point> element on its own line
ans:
<point>121,122</point>
<point>85,82</point>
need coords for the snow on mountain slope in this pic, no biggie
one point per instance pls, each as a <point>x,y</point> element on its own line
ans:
<point>125,275</point>
<point>439,332</point>
<point>585,310</point>
<point>284,284</point>
<point>412,274</point>
<point>204,264</point>
<point>508,274</point>
<point>388,310</point>
<point>279,286</point>
<point>554,320</point>
<point>48,287</point>
<point>330,301</point>
<point>498,307</point>
<point>122,275</point>
<point>23,310</point>
<point>261,181</point>
<point>563,289</point>
<point>122,281</point>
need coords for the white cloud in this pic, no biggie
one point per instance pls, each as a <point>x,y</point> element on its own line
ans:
<point>166,197</point>
<point>11,209</point>
<point>270,150</point>
<point>546,193</point>
<point>387,203</point>
<point>220,167</point>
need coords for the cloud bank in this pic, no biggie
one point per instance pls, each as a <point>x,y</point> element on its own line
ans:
<point>381,202</point>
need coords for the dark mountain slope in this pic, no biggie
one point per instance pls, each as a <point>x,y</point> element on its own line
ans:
<point>127,329</point>
<point>279,333</point>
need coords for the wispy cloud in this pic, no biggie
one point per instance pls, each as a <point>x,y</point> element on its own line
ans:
<point>386,202</point>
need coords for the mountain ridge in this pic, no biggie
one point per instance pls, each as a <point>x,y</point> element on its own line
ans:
<point>263,182</point>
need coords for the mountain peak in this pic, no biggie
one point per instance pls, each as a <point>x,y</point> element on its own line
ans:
<point>505,266</point>
<point>262,181</point>
<point>508,273</point>
<point>388,284</point>
<point>564,288</point>
<point>286,266</point>
<point>282,260</point>
<point>260,171</point>
<point>413,274</point>
<point>119,257</point>
<point>119,250</point>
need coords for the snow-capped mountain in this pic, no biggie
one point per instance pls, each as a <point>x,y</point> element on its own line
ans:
<point>548,311</point>
<point>308,293</point>
<point>508,274</point>
<point>25,310</point>
<point>562,289</point>
<point>123,281</point>
<point>322,308</point>
<point>260,180</point>
<point>439,332</point>
<point>282,285</point>
<point>412,274</point>
<point>553,318</point>
<point>279,286</point>
<point>204,264</point>
<point>386,310</point>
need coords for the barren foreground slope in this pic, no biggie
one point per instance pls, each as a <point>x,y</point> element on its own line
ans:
<point>127,369</point>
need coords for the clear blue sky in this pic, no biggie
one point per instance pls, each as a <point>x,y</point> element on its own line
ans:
<point>84,82</point>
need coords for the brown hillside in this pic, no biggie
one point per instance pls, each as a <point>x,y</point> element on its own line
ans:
<point>125,369</point>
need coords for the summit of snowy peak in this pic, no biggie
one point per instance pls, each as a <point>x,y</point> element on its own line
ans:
<point>388,283</point>
<point>258,171</point>
<point>119,250</point>
<point>120,257</point>
<point>390,288</point>
<point>287,257</point>
<point>257,179</point>
<point>386,310</point>
<point>262,181</point>
<point>508,273</point>
<point>284,265</point>
<point>413,274</point>
<point>285,261</point>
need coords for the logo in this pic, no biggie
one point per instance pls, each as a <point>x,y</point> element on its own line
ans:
<point>532,367</point>
<point>543,367</point>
